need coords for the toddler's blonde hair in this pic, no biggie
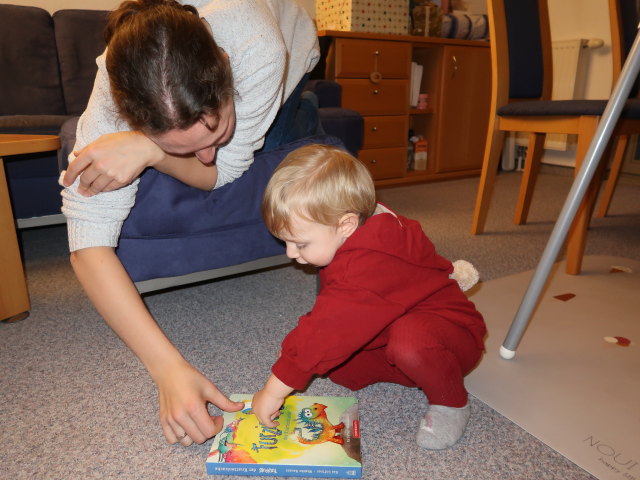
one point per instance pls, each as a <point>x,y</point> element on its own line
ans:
<point>318,183</point>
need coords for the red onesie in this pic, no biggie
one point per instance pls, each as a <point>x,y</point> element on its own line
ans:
<point>387,311</point>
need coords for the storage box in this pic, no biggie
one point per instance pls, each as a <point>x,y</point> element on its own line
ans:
<point>375,16</point>
<point>420,149</point>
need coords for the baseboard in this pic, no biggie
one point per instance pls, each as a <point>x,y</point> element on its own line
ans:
<point>154,284</point>
<point>42,221</point>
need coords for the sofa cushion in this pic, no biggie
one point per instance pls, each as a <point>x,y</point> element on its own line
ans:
<point>80,39</point>
<point>28,62</point>
<point>329,93</point>
<point>38,193</point>
<point>345,124</point>
<point>33,177</point>
<point>174,229</point>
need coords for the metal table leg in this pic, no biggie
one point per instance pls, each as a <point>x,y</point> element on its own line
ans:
<point>576,194</point>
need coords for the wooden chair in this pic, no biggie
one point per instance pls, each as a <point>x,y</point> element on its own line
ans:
<point>521,90</point>
<point>624,22</point>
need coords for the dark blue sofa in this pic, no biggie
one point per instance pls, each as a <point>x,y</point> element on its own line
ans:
<point>175,234</point>
<point>47,68</point>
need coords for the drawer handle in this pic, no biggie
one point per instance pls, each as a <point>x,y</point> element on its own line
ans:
<point>376,91</point>
<point>374,129</point>
<point>374,161</point>
<point>375,75</point>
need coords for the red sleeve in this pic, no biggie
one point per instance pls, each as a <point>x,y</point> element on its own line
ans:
<point>343,320</point>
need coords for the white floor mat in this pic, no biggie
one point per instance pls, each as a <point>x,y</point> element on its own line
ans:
<point>575,380</point>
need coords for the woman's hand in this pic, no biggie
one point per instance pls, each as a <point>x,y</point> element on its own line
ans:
<point>112,161</point>
<point>183,394</point>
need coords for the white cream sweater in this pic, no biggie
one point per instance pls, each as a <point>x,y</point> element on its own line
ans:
<point>271,44</point>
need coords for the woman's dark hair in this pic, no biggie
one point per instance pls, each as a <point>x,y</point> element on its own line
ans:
<point>164,66</point>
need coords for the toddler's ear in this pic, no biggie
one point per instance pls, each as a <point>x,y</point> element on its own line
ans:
<point>348,224</point>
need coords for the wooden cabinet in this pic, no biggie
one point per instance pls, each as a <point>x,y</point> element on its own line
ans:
<point>374,71</point>
<point>463,109</point>
<point>374,77</point>
<point>358,58</point>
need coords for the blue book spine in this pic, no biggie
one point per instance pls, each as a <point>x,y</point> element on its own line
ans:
<point>283,470</point>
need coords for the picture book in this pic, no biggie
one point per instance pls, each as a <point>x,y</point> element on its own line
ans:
<point>315,437</point>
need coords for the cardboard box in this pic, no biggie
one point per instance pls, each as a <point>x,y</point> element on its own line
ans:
<point>420,149</point>
<point>374,16</point>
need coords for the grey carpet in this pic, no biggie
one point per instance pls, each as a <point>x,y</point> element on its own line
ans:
<point>76,404</point>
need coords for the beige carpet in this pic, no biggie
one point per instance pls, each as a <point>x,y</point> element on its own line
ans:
<point>575,380</point>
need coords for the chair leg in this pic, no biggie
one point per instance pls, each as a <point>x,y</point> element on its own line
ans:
<point>577,237</point>
<point>614,174</point>
<point>492,151</point>
<point>529,177</point>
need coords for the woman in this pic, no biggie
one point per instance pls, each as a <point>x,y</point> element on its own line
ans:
<point>192,93</point>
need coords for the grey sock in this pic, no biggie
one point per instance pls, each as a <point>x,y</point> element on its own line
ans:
<point>442,426</point>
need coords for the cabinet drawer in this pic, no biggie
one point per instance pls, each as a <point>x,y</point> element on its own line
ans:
<point>385,162</point>
<point>389,97</point>
<point>360,58</point>
<point>385,131</point>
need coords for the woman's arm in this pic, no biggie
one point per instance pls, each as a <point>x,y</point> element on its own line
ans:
<point>190,171</point>
<point>109,155</point>
<point>183,391</point>
<point>114,160</point>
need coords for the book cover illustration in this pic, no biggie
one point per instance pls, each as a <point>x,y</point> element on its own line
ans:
<point>316,437</point>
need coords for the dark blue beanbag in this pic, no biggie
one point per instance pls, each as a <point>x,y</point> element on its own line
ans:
<point>174,229</point>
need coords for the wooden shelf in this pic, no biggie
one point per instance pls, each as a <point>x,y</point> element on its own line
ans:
<point>415,40</point>
<point>456,76</point>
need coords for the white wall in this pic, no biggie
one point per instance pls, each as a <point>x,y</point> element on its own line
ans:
<point>578,19</point>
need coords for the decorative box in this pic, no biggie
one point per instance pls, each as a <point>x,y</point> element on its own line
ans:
<point>375,16</point>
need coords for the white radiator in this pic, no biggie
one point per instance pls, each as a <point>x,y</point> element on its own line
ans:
<point>569,69</point>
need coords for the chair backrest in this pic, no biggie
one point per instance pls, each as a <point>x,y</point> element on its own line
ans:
<point>623,19</point>
<point>521,45</point>
<point>529,40</point>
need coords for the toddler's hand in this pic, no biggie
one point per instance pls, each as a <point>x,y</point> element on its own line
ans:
<point>266,407</point>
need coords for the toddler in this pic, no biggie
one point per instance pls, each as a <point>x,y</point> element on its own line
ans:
<point>386,311</point>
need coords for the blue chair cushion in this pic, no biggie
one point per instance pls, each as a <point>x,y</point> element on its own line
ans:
<point>566,107</point>
<point>174,229</point>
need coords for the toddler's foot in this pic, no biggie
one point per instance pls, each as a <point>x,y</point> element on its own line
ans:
<point>442,426</point>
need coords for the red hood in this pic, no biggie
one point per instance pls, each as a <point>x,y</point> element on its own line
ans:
<point>397,236</point>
